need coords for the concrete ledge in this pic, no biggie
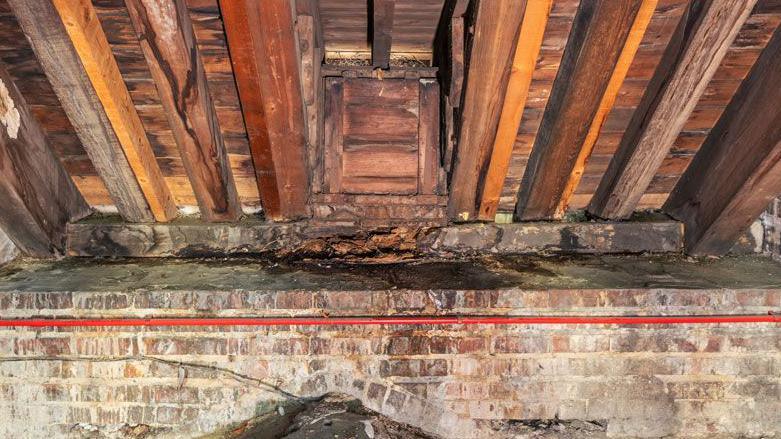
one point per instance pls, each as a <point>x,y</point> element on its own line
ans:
<point>187,238</point>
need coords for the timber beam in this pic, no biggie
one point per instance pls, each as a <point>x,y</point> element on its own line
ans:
<point>168,41</point>
<point>737,171</point>
<point>37,196</point>
<point>382,12</point>
<point>695,51</point>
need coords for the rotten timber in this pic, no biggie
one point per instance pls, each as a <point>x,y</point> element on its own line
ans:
<point>167,39</point>
<point>737,171</point>
<point>38,197</point>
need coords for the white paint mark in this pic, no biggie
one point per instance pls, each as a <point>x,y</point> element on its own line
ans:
<point>9,115</point>
<point>368,429</point>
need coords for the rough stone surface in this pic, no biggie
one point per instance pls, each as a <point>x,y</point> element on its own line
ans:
<point>8,250</point>
<point>455,381</point>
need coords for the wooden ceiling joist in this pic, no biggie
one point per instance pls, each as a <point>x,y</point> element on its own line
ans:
<point>263,46</point>
<point>599,34</point>
<point>38,197</point>
<point>528,48</point>
<point>382,32</point>
<point>496,27</point>
<point>60,61</point>
<point>167,39</point>
<point>86,34</point>
<point>737,171</point>
<point>695,51</point>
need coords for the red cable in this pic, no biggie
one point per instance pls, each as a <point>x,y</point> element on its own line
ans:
<point>364,321</point>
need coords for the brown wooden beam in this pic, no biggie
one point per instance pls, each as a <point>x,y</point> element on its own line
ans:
<point>168,41</point>
<point>44,29</point>
<point>263,46</point>
<point>38,197</point>
<point>312,50</point>
<point>496,27</point>
<point>599,32</point>
<point>86,34</point>
<point>705,32</point>
<point>382,32</point>
<point>528,48</point>
<point>737,171</point>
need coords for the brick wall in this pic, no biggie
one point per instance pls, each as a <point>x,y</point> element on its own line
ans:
<point>455,381</point>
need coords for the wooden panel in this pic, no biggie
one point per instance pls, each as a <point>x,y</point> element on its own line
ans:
<point>528,48</point>
<point>267,71</point>
<point>379,161</point>
<point>37,196</point>
<point>430,170</point>
<point>593,48</point>
<point>90,43</point>
<point>382,31</point>
<point>737,172</point>
<point>333,138</point>
<point>691,59</point>
<point>497,24</point>
<point>58,58</point>
<point>168,42</point>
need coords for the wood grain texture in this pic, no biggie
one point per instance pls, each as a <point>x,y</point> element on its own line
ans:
<point>167,39</point>
<point>60,61</point>
<point>90,42</point>
<point>431,178</point>
<point>737,171</point>
<point>598,35</point>
<point>37,195</point>
<point>333,140</point>
<point>382,32</point>
<point>264,49</point>
<point>690,60</point>
<point>525,59</point>
<point>497,24</point>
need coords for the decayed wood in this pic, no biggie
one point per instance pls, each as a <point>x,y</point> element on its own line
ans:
<point>312,85</point>
<point>429,174</point>
<point>497,24</point>
<point>695,51</point>
<point>382,32</point>
<point>528,48</point>
<point>90,42</point>
<point>264,51</point>
<point>166,35</point>
<point>60,61</point>
<point>37,196</point>
<point>594,45</point>
<point>737,171</point>
<point>333,137</point>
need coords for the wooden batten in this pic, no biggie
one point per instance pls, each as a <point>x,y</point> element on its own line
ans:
<point>692,57</point>
<point>382,32</point>
<point>86,34</point>
<point>598,36</point>
<point>496,28</point>
<point>167,39</point>
<point>528,48</point>
<point>737,171</point>
<point>63,67</point>
<point>38,197</point>
<point>264,51</point>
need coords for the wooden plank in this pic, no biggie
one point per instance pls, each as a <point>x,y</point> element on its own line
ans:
<point>693,55</point>
<point>496,28</point>
<point>599,32</point>
<point>428,139</point>
<point>264,51</point>
<point>737,171</point>
<point>382,32</point>
<point>167,39</point>
<point>90,42</point>
<point>37,195</point>
<point>528,48</point>
<point>60,61</point>
<point>333,137</point>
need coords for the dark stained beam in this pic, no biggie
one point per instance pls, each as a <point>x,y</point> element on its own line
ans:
<point>699,43</point>
<point>44,29</point>
<point>263,46</point>
<point>382,32</point>
<point>167,39</point>
<point>86,34</point>
<point>37,196</point>
<point>496,27</point>
<point>599,33</point>
<point>737,171</point>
